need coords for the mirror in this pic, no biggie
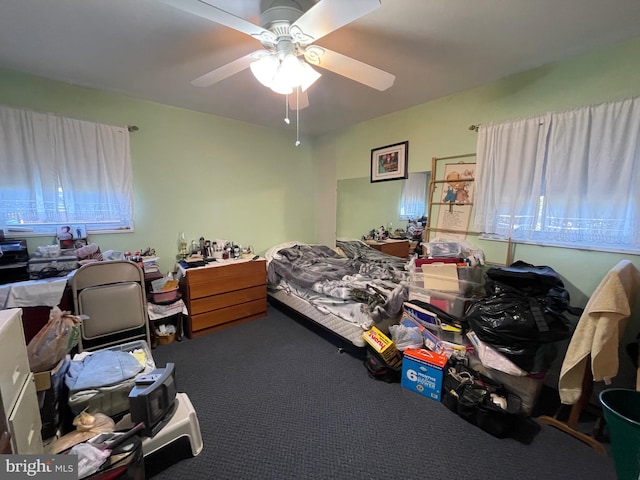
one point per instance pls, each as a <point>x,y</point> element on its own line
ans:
<point>362,206</point>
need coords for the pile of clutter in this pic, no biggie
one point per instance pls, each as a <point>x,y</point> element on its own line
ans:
<point>485,356</point>
<point>379,234</point>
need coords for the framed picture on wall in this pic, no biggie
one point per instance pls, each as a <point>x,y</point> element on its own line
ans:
<point>390,162</point>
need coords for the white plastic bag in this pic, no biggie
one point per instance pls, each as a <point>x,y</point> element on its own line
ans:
<point>54,340</point>
<point>406,337</point>
<point>90,458</point>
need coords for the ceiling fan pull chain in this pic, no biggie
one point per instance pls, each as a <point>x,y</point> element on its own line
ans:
<point>286,109</point>
<point>297,117</point>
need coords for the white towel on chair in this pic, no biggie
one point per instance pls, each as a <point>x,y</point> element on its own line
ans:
<point>599,331</point>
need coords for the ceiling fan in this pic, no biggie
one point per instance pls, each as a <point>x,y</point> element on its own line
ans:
<point>287,34</point>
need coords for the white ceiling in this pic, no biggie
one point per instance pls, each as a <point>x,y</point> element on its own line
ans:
<point>149,50</point>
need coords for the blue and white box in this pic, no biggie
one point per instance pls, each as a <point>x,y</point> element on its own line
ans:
<point>422,372</point>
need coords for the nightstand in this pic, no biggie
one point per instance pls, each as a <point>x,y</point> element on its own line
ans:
<point>165,313</point>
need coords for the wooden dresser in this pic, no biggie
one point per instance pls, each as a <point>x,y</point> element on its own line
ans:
<point>397,248</point>
<point>224,294</point>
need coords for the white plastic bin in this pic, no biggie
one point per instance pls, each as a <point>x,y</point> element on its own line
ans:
<point>452,303</point>
<point>528,388</point>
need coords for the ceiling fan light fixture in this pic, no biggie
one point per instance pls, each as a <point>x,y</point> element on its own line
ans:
<point>308,76</point>
<point>281,83</point>
<point>264,69</point>
<point>291,68</point>
<point>283,76</point>
<point>287,75</point>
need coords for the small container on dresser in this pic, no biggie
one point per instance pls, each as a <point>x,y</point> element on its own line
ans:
<point>17,386</point>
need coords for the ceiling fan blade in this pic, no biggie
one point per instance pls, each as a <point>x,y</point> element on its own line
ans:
<point>329,15</point>
<point>227,70</point>
<point>215,14</point>
<point>349,67</point>
<point>298,102</point>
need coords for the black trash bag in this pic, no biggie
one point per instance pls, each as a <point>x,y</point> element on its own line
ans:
<point>529,279</point>
<point>522,320</point>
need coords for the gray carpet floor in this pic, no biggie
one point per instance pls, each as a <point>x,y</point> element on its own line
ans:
<point>277,400</point>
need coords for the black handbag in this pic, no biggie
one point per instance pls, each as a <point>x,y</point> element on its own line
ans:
<point>479,400</point>
<point>456,374</point>
<point>380,370</point>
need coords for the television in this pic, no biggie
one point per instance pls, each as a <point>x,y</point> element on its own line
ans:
<point>152,400</point>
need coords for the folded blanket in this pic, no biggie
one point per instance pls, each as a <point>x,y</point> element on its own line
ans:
<point>101,369</point>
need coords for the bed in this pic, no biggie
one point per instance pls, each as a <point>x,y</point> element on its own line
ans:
<point>346,290</point>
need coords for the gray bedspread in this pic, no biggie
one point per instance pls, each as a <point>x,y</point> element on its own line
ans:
<point>365,287</point>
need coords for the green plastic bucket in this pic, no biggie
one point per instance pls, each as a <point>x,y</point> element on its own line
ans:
<point>622,413</point>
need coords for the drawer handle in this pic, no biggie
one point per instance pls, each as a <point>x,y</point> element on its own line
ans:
<point>30,436</point>
<point>16,375</point>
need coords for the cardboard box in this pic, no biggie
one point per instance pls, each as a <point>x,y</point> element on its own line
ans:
<point>382,345</point>
<point>52,397</point>
<point>422,372</point>
<point>43,379</point>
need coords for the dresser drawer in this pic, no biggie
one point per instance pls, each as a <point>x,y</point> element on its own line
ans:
<point>228,314</point>
<point>229,284</point>
<point>221,272</point>
<point>13,357</point>
<point>215,302</point>
<point>24,422</point>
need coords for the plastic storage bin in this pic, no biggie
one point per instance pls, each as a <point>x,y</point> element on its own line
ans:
<point>112,400</point>
<point>528,388</point>
<point>444,249</point>
<point>470,281</point>
<point>453,302</point>
<point>621,409</point>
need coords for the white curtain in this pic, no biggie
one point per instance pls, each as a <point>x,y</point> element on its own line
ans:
<point>414,196</point>
<point>592,178</point>
<point>63,170</point>
<point>568,179</point>
<point>510,160</point>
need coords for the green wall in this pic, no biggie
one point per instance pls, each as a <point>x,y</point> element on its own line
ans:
<point>441,128</point>
<point>356,196</point>
<point>204,175</point>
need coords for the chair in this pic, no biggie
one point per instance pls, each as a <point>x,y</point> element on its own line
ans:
<point>592,354</point>
<point>112,295</point>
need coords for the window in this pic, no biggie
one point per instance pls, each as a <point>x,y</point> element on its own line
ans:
<point>567,179</point>
<point>413,202</point>
<point>58,170</point>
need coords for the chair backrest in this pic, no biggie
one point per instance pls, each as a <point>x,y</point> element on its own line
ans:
<point>112,295</point>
